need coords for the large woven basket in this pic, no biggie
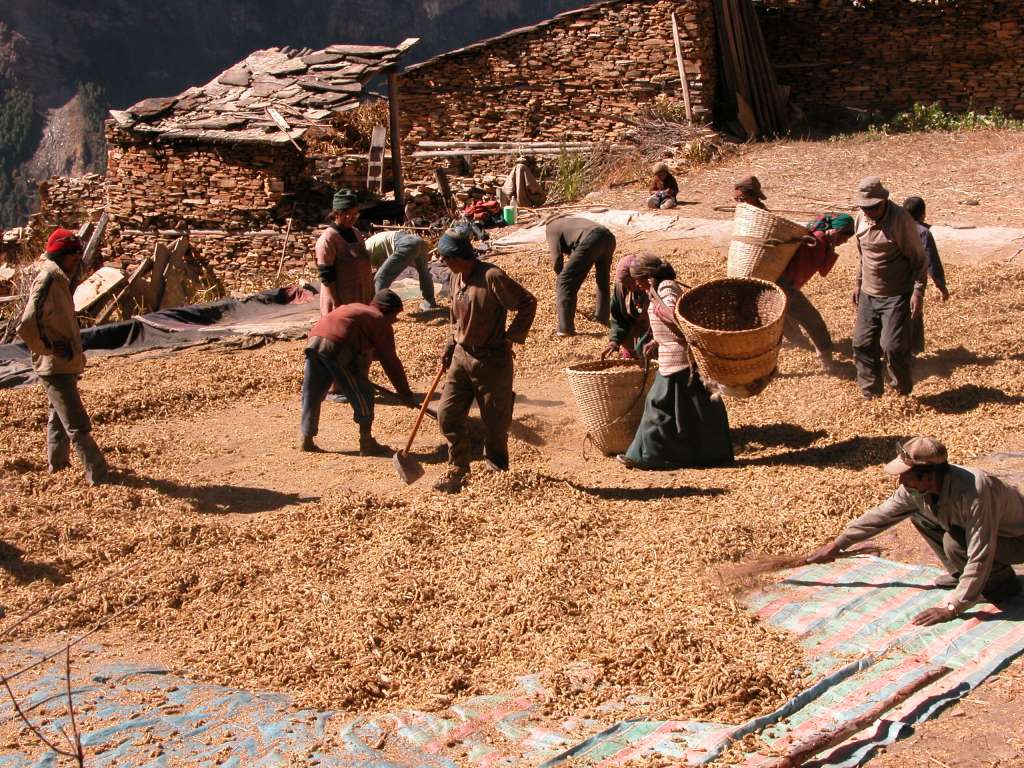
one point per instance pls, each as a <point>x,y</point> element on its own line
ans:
<point>610,396</point>
<point>734,327</point>
<point>762,243</point>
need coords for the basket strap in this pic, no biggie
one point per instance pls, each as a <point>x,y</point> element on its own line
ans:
<point>773,241</point>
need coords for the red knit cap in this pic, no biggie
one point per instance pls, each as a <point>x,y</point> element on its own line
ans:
<point>62,241</point>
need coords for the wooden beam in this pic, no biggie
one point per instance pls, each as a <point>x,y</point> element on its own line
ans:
<point>682,69</point>
<point>96,237</point>
<point>394,114</point>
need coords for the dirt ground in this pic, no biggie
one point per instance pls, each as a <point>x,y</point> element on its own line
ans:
<point>322,575</point>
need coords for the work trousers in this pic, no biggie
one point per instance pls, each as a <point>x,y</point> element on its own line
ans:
<point>595,250</point>
<point>68,424</point>
<point>328,362</point>
<point>657,201</point>
<point>951,549</point>
<point>396,264</point>
<point>803,317</point>
<point>882,334</point>
<point>484,377</point>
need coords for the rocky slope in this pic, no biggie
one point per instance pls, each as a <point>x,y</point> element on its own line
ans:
<point>51,48</point>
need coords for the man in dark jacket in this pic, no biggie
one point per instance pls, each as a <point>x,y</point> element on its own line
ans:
<point>479,355</point>
<point>587,244</point>
<point>341,344</point>
<point>49,329</point>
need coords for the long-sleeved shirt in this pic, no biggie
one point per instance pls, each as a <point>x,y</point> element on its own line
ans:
<point>673,353</point>
<point>628,320</point>
<point>935,268</point>
<point>49,322</point>
<point>984,506</point>
<point>364,329</point>
<point>384,245</point>
<point>564,234</point>
<point>810,260</point>
<point>669,185</point>
<point>892,259</point>
<point>353,278</point>
<point>481,302</point>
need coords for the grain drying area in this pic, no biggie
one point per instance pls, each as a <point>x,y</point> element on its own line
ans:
<point>238,560</point>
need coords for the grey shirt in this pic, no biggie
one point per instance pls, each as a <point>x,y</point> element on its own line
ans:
<point>983,505</point>
<point>892,258</point>
<point>564,234</point>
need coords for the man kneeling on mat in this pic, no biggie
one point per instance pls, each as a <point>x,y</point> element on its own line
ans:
<point>973,521</point>
<point>339,344</point>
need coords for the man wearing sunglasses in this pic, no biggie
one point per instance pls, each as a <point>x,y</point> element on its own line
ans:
<point>974,523</point>
<point>888,292</point>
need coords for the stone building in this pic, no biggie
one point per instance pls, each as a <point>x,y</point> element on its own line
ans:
<point>241,161</point>
<point>579,76</point>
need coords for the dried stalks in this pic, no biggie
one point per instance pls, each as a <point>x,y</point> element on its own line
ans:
<point>349,132</point>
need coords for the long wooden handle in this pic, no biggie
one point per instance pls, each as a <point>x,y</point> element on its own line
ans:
<point>423,408</point>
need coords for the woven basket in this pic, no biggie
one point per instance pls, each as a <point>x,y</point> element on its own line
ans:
<point>734,327</point>
<point>610,396</point>
<point>762,243</point>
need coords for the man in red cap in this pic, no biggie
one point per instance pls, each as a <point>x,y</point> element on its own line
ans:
<point>49,329</point>
<point>974,523</point>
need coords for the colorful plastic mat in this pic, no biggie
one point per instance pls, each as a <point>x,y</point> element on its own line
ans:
<point>877,676</point>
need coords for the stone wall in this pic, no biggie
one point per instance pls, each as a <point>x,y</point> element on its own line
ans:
<point>230,186</point>
<point>573,77</point>
<point>885,55</point>
<point>70,201</point>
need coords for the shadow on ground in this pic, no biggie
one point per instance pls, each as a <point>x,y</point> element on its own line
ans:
<point>852,453</point>
<point>216,499</point>
<point>967,398</point>
<point>12,560</point>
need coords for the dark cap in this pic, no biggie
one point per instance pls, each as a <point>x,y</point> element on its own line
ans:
<point>344,199</point>
<point>455,243</point>
<point>751,186</point>
<point>387,301</point>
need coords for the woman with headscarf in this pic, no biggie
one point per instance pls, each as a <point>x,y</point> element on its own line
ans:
<point>628,329</point>
<point>829,231</point>
<point>682,425</point>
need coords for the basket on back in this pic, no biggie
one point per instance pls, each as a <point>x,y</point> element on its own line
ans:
<point>762,243</point>
<point>610,396</point>
<point>734,328</point>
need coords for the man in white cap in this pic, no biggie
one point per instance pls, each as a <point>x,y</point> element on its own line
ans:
<point>974,523</point>
<point>888,290</point>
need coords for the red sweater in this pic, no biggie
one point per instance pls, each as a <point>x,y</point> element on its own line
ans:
<point>810,260</point>
<point>364,329</point>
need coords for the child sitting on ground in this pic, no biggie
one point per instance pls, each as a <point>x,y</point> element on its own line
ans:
<point>663,188</point>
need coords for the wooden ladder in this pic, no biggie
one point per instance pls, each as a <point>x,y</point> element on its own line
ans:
<point>375,161</point>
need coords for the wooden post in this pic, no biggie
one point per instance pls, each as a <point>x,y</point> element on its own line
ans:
<point>396,139</point>
<point>682,69</point>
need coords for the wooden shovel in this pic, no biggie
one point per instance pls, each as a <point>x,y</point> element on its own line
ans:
<point>406,466</point>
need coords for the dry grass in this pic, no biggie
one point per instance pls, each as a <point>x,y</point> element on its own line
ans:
<point>367,597</point>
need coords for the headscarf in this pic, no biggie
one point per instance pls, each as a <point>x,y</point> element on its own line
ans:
<point>841,222</point>
<point>456,244</point>
<point>653,267</point>
<point>750,185</point>
<point>659,168</point>
<point>344,200</point>
<point>915,207</point>
<point>622,268</point>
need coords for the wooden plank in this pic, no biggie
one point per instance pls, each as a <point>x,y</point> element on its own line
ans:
<point>545,152</point>
<point>524,145</point>
<point>99,285</point>
<point>281,123</point>
<point>395,126</point>
<point>682,69</point>
<point>133,278</point>
<point>96,237</point>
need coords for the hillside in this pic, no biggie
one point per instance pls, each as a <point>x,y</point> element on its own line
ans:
<point>57,78</point>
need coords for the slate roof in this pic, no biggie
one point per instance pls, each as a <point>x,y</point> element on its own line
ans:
<point>305,86</point>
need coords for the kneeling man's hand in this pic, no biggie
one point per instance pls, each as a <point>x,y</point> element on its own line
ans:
<point>931,616</point>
